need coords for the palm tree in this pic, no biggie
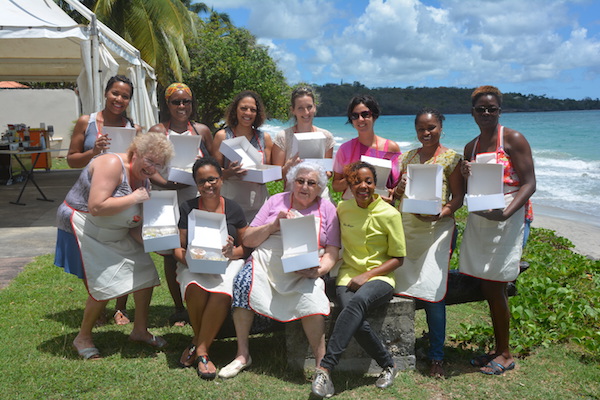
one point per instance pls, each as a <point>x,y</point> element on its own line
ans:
<point>157,28</point>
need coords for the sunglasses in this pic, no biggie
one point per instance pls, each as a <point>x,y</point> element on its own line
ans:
<point>180,102</point>
<point>310,183</point>
<point>364,114</point>
<point>210,179</point>
<point>489,110</point>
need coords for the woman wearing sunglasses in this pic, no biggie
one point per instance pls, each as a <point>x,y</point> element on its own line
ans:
<point>263,287</point>
<point>362,112</point>
<point>493,239</point>
<point>176,120</point>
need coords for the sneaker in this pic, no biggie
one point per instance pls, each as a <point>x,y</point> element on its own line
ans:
<point>322,385</point>
<point>386,378</point>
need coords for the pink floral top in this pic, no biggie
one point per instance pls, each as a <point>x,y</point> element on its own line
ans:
<point>510,175</point>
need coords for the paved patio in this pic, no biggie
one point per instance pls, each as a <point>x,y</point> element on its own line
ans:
<point>29,231</point>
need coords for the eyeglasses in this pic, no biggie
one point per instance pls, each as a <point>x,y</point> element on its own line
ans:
<point>185,102</point>
<point>310,182</point>
<point>210,179</point>
<point>151,163</point>
<point>364,114</point>
<point>252,110</point>
<point>483,109</point>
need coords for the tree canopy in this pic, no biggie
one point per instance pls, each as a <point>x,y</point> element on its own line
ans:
<point>449,100</point>
<point>226,60</point>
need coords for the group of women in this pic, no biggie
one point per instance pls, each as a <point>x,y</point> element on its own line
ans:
<point>385,252</point>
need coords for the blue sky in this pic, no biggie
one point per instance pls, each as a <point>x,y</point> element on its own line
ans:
<point>542,47</point>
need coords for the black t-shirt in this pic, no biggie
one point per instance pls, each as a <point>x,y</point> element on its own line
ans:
<point>234,216</point>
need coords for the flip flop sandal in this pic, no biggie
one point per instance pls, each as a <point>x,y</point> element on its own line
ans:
<point>189,357</point>
<point>121,317</point>
<point>482,360</point>
<point>203,361</point>
<point>89,353</point>
<point>155,341</point>
<point>497,368</point>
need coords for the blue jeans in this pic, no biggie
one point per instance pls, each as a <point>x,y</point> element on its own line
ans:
<point>351,322</point>
<point>436,321</point>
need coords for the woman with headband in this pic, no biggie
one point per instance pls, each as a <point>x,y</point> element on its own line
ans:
<point>176,120</point>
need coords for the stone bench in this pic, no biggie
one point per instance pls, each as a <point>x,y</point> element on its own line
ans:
<point>394,323</point>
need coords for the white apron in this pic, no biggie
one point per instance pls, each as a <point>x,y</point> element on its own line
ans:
<point>491,250</point>
<point>113,262</point>
<point>214,283</point>
<point>279,295</point>
<point>424,273</point>
<point>249,195</point>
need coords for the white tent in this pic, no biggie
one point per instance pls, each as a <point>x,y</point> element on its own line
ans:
<point>40,42</point>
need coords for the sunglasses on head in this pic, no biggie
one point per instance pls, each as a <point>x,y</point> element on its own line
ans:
<point>483,109</point>
<point>363,114</point>
<point>180,102</point>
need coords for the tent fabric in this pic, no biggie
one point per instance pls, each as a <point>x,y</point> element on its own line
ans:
<point>40,42</point>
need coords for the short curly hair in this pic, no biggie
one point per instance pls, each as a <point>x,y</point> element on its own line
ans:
<point>311,167</point>
<point>152,143</point>
<point>231,112</point>
<point>484,91</point>
<point>351,171</point>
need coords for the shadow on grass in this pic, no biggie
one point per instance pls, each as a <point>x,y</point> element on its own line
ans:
<point>158,316</point>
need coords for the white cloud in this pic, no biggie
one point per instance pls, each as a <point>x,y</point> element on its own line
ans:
<point>289,19</point>
<point>286,60</point>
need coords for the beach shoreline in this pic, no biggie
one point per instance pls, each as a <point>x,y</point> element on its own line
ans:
<point>581,229</point>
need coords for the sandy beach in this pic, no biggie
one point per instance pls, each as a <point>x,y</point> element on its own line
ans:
<point>582,230</point>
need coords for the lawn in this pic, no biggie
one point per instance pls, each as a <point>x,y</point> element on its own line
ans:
<point>43,306</point>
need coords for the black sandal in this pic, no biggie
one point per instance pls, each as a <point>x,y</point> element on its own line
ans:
<point>189,357</point>
<point>204,360</point>
<point>482,360</point>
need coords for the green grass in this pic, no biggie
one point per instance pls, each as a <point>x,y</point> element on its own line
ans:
<point>42,309</point>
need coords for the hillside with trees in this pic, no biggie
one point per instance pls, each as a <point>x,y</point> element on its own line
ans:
<point>449,100</point>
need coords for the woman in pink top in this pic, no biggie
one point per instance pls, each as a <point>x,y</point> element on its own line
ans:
<point>363,111</point>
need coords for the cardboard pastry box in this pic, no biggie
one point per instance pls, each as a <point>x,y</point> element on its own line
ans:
<point>300,247</point>
<point>186,152</point>
<point>120,138</point>
<point>311,146</point>
<point>423,189</point>
<point>207,234</point>
<point>161,216</point>
<point>485,187</point>
<point>240,149</point>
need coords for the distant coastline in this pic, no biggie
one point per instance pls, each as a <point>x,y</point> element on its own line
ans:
<point>334,99</point>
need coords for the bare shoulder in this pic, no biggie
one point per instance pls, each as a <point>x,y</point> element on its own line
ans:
<point>393,146</point>
<point>514,139</point>
<point>220,134</point>
<point>158,128</point>
<point>201,128</point>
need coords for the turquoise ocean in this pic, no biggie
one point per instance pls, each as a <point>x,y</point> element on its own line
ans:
<point>565,145</point>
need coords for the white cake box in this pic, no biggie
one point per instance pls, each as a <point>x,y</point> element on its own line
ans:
<point>120,138</point>
<point>300,247</point>
<point>186,152</point>
<point>161,216</point>
<point>240,149</point>
<point>206,231</point>
<point>423,189</point>
<point>485,187</point>
<point>383,169</point>
<point>312,146</point>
